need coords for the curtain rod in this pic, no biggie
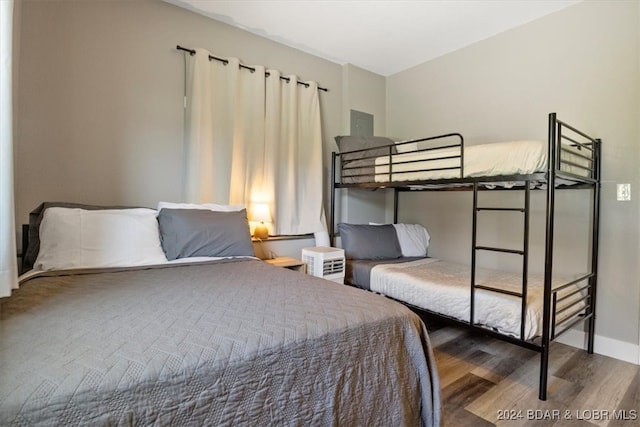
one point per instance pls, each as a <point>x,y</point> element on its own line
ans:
<point>225,62</point>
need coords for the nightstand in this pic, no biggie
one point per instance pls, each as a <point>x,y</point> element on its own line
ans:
<point>287,262</point>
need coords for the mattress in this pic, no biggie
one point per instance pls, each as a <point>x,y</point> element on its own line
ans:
<point>217,343</point>
<point>443,287</point>
<point>483,160</point>
<point>358,271</point>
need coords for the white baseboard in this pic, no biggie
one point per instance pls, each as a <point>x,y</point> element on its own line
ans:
<point>621,350</point>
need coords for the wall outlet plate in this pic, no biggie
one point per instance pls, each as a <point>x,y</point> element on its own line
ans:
<point>624,192</point>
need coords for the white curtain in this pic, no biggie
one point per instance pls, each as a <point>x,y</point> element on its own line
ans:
<point>252,138</point>
<point>294,154</point>
<point>8,258</point>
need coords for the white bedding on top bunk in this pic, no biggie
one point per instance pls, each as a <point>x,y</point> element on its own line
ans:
<point>443,287</point>
<point>494,159</point>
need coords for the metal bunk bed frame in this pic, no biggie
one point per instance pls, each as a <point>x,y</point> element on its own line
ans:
<point>559,134</point>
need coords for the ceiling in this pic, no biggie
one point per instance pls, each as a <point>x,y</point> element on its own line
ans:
<point>382,36</point>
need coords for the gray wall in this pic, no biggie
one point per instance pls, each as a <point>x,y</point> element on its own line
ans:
<point>581,62</point>
<point>100,116</point>
<point>363,91</point>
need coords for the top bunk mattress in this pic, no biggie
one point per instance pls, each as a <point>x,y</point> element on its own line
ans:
<point>482,160</point>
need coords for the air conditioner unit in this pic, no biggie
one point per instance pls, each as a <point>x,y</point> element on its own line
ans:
<point>325,262</point>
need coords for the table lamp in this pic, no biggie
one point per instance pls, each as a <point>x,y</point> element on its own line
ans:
<point>260,213</point>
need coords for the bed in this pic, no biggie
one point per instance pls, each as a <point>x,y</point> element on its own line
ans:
<point>442,287</point>
<point>542,307</point>
<point>204,339</point>
<point>381,161</point>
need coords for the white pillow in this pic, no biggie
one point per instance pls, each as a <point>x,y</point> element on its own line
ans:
<point>413,238</point>
<point>208,206</point>
<point>79,238</point>
<point>406,148</point>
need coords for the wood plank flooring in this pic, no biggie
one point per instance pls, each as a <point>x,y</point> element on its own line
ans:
<point>488,382</point>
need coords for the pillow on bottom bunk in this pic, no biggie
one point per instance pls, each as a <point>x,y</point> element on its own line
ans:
<point>363,241</point>
<point>413,238</point>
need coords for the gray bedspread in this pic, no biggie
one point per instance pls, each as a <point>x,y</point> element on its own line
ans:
<point>221,343</point>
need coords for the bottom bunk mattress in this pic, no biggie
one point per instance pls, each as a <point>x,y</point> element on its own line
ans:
<point>442,287</point>
<point>215,343</point>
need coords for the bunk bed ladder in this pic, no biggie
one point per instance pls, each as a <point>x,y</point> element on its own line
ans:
<point>524,253</point>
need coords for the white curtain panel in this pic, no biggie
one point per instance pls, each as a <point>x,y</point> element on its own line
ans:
<point>8,258</point>
<point>224,128</point>
<point>294,155</point>
<point>247,185</point>
<point>254,139</point>
<point>208,145</point>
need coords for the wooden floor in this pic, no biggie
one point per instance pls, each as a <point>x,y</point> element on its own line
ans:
<point>488,382</point>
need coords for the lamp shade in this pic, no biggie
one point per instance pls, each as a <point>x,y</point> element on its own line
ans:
<point>260,213</point>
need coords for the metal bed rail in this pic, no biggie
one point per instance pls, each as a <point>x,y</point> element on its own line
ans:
<point>578,309</point>
<point>576,152</point>
<point>358,166</point>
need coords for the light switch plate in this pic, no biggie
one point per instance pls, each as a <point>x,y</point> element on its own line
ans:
<point>624,192</point>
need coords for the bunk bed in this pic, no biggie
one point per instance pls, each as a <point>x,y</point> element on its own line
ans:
<point>569,159</point>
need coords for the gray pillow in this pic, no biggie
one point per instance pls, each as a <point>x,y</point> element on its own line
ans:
<point>200,232</point>
<point>362,162</point>
<point>362,241</point>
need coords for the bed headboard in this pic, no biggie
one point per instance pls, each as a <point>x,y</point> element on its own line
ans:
<point>25,245</point>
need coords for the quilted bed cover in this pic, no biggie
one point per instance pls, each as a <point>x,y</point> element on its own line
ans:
<point>219,343</point>
<point>443,287</point>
